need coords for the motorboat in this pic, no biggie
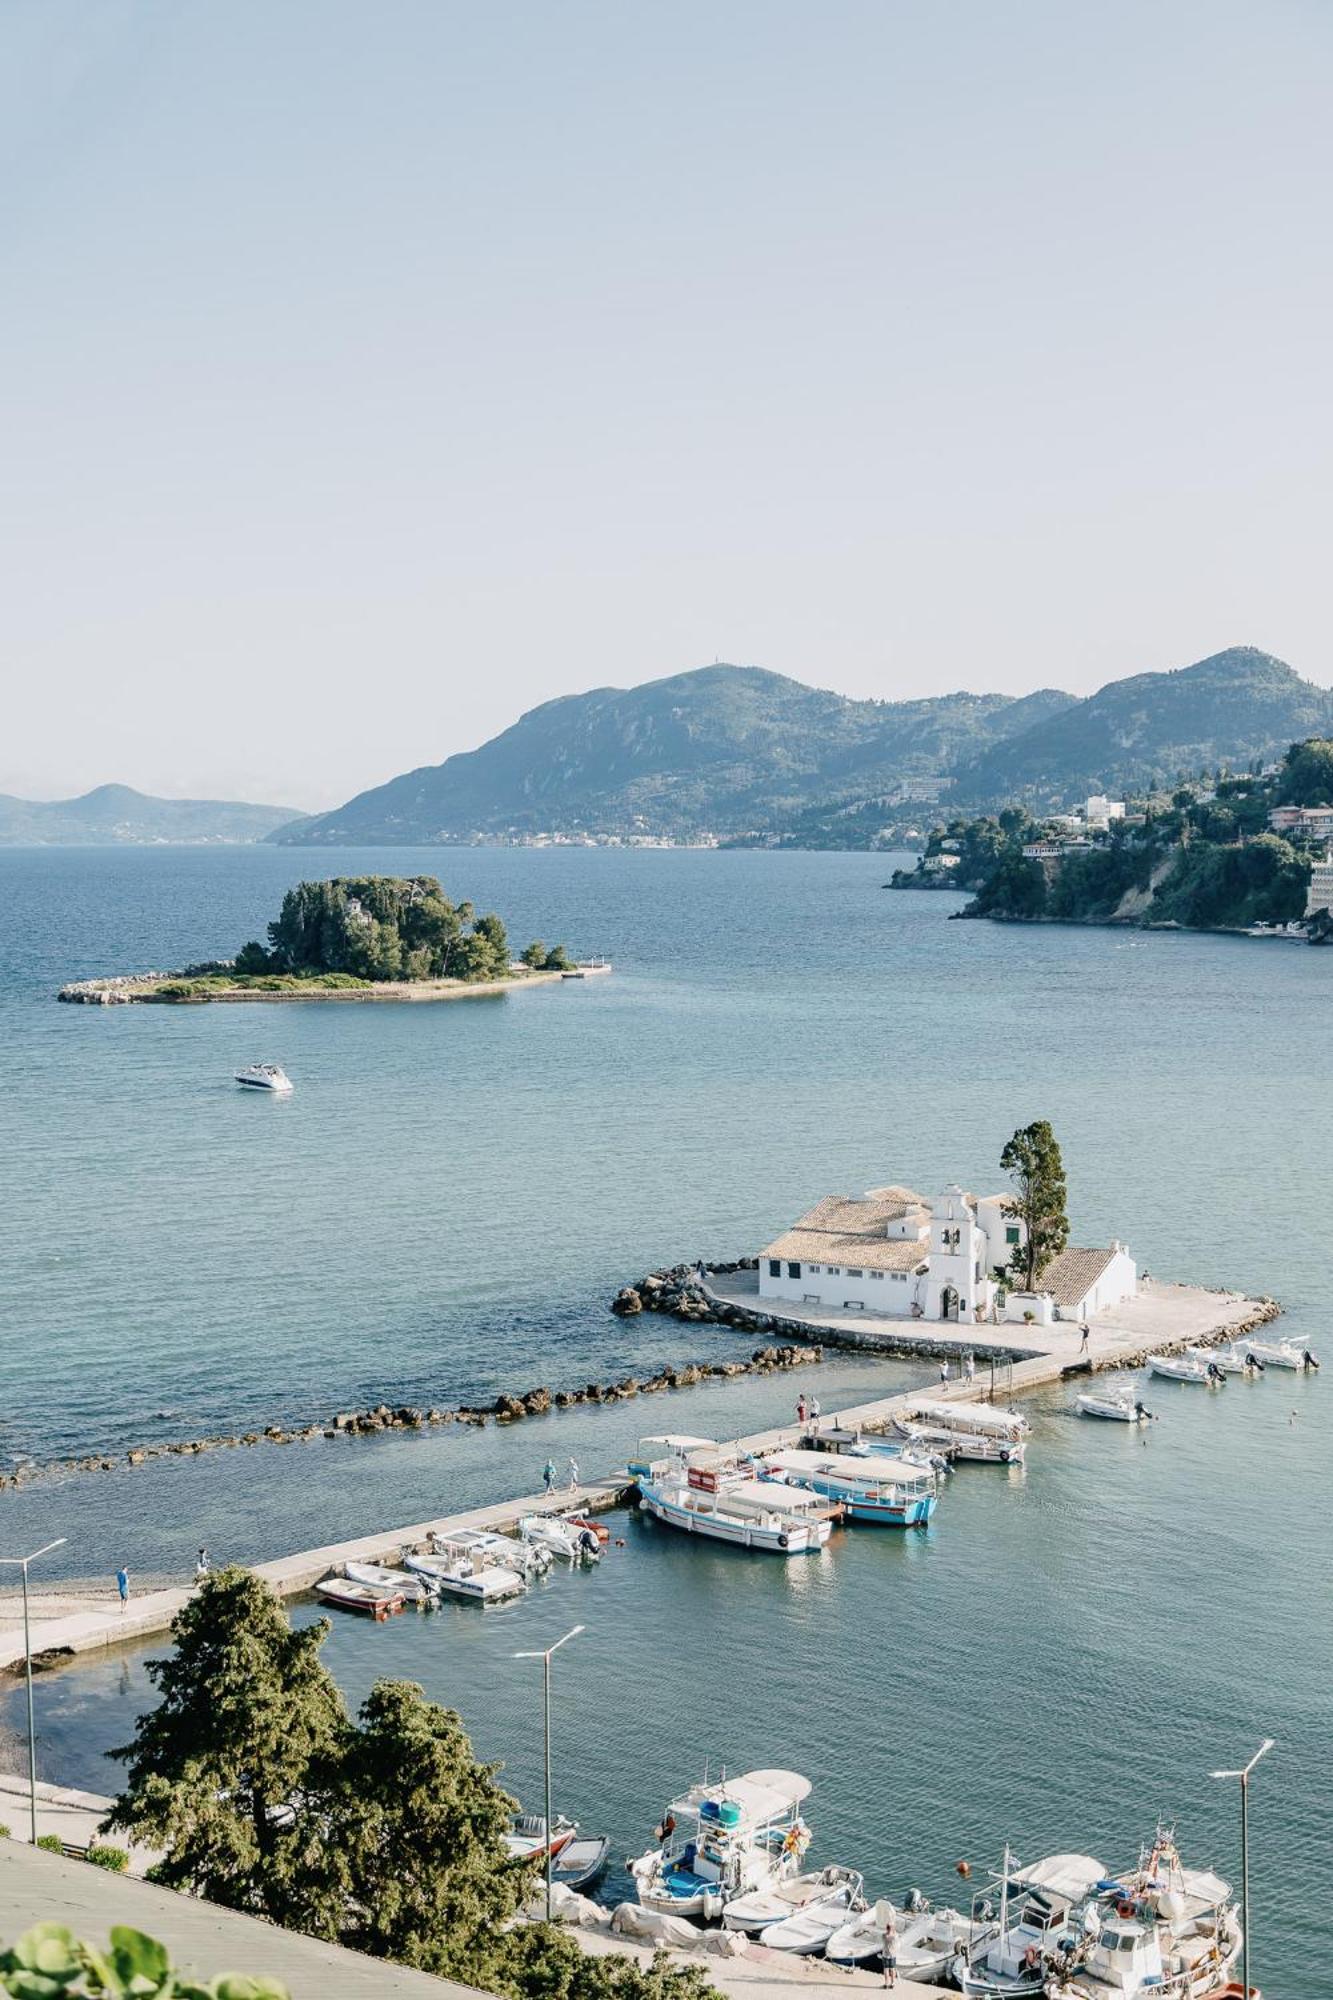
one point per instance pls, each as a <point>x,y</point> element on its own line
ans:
<point>1161,1930</point>
<point>559,1537</point>
<point>369,1598</point>
<point>581,1861</point>
<point>1013,1955</point>
<point>1232,1360</point>
<point>1184,1368</point>
<point>459,1574</point>
<point>807,1930</point>
<point>875,1488</point>
<point>865,1444</point>
<point>724,1840</point>
<point>530,1559</point>
<point>789,1895</point>
<point>927,1940</point>
<point>974,1419</point>
<point>1117,1406</point>
<point>527,1839</point>
<point>265,1076</point>
<point>974,1447</point>
<point>413,1589</point>
<point>1279,1353</point>
<point>702,1491</point>
<point>592,1526</point>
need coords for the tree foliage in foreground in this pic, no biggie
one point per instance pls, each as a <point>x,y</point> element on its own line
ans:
<point>381,1833</point>
<point>379,927</point>
<point>49,1963</point>
<point>1033,1163</point>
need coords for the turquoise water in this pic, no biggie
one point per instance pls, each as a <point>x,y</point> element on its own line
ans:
<point>453,1193</point>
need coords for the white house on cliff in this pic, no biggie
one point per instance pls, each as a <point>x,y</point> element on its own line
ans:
<point>903,1255</point>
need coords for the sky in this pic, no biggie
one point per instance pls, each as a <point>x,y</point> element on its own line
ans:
<point>371,374</point>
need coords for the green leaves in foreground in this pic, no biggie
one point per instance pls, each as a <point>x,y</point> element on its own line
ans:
<point>49,1963</point>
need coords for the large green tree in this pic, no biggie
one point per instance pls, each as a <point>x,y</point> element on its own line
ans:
<point>228,1773</point>
<point>380,927</point>
<point>1033,1163</point>
<point>1306,778</point>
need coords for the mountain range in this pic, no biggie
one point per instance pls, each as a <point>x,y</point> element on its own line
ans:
<point>739,752</point>
<point>114,815</point>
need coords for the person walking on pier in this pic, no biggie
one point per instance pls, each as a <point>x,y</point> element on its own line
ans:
<point>801,1411</point>
<point>202,1566</point>
<point>548,1474</point>
<point>944,1369</point>
<point>814,1416</point>
<point>889,1948</point>
<point>573,1474</point>
<point>1084,1346</point>
<point>969,1367</point>
<point>123,1585</point>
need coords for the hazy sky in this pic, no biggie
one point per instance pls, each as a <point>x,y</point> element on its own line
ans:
<point>374,372</point>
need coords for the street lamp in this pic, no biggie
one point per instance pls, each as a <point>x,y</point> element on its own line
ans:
<point>1244,1777</point>
<point>545,1659</point>
<point>21,1562</point>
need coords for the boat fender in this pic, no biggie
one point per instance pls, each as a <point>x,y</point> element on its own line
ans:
<point>782,1541</point>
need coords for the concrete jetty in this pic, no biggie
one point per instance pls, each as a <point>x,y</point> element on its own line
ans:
<point>1162,1318</point>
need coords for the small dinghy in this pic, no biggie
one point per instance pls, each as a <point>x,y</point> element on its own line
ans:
<point>547,1531</point>
<point>369,1598</point>
<point>590,1527</point>
<point>809,1930</point>
<point>461,1577</point>
<point>526,1839</point>
<point>860,1937</point>
<point>787,1897</point>
<point>530,1559</point>
<point>1117,1407</point>
<point>414,1589</point>
<point>929,1941</point>
<point>581,1862</point>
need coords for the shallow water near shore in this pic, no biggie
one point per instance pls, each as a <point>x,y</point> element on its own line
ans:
<point>452,1195</point>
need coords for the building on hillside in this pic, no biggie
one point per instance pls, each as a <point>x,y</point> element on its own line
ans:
<point>911,1257</point>
<point>1055,850</point>
<point>1319,895</point>
<point>1317,821</point>
<point>903,1255</point>
<point>1100,811</point>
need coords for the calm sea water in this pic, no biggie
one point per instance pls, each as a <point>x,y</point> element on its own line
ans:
<point>453,1193</point>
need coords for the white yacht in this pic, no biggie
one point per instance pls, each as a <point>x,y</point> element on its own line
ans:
<point>265,1076</point>
<point>705,1491</point>
<point>724,1840</point>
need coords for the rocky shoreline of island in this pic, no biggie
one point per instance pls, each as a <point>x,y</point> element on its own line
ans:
<point>184,989</point>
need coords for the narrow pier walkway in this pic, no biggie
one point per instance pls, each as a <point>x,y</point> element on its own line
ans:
<point>1162,1318</point>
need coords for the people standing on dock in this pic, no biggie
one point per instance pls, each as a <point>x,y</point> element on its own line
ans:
<point>944,1369</point>
<point>123,1585</point>
<point>889,1948</point>
<point>814,1416</point>
<point>801,1411</point>
<point>202,1566</point>
<point>573,1474</point>
<point>548,1474</point>
<point>969,1367</point>
<point>1084,1346</point>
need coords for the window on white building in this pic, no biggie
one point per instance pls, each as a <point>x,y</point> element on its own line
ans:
<point>835,1270</point>
<point>813,1269</point>
<point>851,1273</point>
<point>793,1270</point>
<point>774,1267</point>
<point>877,1274</point>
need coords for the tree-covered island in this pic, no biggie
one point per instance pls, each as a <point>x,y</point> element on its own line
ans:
<point>368,934</point>
<point>1222,853</point>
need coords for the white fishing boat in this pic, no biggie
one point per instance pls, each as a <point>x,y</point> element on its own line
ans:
<point>1184,1368</point>
<point>1012,1955</point>
<point>1232,1360</point>
<point>808,1930</point>
<point>570,1544</point>
<point>958,1447</point>
<point>582,1861</point>
<point>724,1840</point>
<point>1279,1353</point>
<point>860,1937</point>
<point>702,1491</point>
<point>1161,1930</point>
<point>416,1589</point>
<point>890,1491</point>
<point>1116,1406</point>
<point>370,1598</point>
<point>530,1559</point>
<point>265,1076</point>
<point>457,1574</point>
<point>791,1895</point>
<point>973,1419</point>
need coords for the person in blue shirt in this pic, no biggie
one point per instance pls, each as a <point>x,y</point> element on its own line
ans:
<point>123,1585</point>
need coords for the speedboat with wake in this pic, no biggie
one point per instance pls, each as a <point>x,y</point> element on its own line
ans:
<point>265,1076</point>
<point>724,1840</point>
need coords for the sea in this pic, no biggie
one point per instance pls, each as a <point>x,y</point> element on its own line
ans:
<point>449,1200</point>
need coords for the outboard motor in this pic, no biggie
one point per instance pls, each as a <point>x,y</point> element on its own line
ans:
<point>915,1901</point>
<point>1253,1361</point>
<point>1309,1360</point>
<point>1139,1411</point>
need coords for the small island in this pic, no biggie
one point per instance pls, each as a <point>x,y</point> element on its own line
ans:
<point>1249,853</point>
<point>356,937</point>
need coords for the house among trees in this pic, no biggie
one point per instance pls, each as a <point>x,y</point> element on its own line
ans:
<point>903,1255</point>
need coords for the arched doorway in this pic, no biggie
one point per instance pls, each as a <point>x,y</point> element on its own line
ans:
<point>949,1303</point>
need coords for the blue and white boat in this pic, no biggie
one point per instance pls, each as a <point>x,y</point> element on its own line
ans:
<point>891,1491</point>
<point>722,1841</point>
<point>704,1490</point>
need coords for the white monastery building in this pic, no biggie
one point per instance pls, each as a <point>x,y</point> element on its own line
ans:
<point>902,1255</point>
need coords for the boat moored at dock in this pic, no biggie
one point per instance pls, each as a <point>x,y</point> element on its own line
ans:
<point>702,1490</point>
<point>722,1841</point>
<point>1185,1368</point>
<point>413,1589</point>
<point>1012,1956</point>
<point>808,1925</point>
<point>1162,1930</point>
<point>879,1488</point>
<point>349,1595</point>
<point>459,1573</point>
<point>1116,1406</point>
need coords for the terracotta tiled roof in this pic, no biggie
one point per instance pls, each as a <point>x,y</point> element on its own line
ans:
<point>843,1229</point>
<point>1072,1275</point>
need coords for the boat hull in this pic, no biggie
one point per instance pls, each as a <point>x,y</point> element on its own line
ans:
<point>799,1538</point>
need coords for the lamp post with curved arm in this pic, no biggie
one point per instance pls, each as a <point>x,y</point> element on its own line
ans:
<point>21,1562</point>
<point>1244,1777</point>
<point>545,1658</point>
